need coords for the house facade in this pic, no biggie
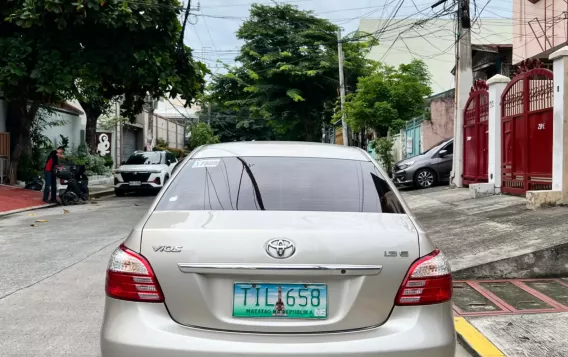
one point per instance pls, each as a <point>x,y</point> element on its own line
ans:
<point>115,138</point>
<point>539,28</point>
<point>433,42</point>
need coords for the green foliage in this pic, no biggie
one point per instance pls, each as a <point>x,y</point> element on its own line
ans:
<point>234,125</point>
<point>177,153</point>
<point>95,51</point>
<point>109,162</point>
<point>162,145</point>
<point>109,123</point>
<point>94,164</point>
<point>202,134</point>
<point>161,142</point>
<point>383,148</point>
<point>63,141</point>
<point>389,97</point>
<point>287,79</point>
<point>32,162</point>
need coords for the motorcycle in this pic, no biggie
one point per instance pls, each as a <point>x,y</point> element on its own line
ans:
<point>72,185</point>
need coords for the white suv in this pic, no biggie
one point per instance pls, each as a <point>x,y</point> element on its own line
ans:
<point>144,170</point>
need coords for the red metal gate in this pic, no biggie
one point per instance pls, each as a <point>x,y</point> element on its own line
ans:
<point>526,111</point>
<point>476,134</point>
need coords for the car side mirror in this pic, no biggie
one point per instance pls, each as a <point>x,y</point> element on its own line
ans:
<point>443,153</point>
<point>168,162</point>
<point>122,163</point>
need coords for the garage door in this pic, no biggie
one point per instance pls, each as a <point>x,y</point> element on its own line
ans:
<point>128,142</point>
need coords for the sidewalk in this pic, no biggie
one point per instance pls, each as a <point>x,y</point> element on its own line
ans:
<point>489,230</point>
<point>513,318</point>
<point>526,317</point>
<point>14,199</point>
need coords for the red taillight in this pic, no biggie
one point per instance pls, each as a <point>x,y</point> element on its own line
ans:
<point>130,277</point>
<point>428,281</point>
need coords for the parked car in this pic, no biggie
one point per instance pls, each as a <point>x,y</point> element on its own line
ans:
<point>144,170</point>
<point>427,169</point>
<point>278,249</point>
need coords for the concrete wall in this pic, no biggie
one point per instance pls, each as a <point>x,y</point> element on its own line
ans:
<point>398,147</point>
<point>169,131</point>
<point>526,14</point>
<point>433,42</point>
<point>441,125</point>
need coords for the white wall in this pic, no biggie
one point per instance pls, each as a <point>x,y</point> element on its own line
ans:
<point>174,108</point>
<point>71,128</point>
<point>433,42</point>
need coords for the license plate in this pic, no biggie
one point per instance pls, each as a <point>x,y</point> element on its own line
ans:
<point>135,183</point>
<point>289,301</point>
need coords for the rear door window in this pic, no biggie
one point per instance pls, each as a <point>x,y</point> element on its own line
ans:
<point>280,184</point>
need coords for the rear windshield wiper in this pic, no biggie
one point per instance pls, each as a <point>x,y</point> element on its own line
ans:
<point>254,184</point>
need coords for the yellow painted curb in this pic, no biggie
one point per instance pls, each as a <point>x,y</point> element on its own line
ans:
<point>479,343</point>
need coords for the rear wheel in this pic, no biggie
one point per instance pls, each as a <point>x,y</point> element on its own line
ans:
<point>118,193</point>
<point>424,178</point>
<point>64,199</point>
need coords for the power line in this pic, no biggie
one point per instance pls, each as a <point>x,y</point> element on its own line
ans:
<point>209,33</point>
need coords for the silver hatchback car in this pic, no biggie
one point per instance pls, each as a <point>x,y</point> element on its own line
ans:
<point>278,250</point>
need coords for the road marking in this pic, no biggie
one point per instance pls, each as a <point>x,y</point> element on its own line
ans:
<point>475,339</point>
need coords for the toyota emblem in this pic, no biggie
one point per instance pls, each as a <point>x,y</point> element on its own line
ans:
<point>280,248</point>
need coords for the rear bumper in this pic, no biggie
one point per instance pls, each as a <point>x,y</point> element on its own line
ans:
<point>147,330</point>
<point>148,186</point>
<point>155,181</point>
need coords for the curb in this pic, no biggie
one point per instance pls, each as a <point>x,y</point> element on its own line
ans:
<point>103,193</point>
<point>474,341</point>
<point>463,342</point>
<point>20,210</point>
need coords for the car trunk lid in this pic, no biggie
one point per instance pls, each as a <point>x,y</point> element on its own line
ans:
<point>356,261</point>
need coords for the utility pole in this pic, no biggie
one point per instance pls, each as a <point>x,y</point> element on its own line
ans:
<point>464,81</point>
<point>150,129</point>
<point>342,88</point>
<point>209,114</point>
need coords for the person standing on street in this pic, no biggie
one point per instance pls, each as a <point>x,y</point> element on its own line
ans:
<point>49,173</point>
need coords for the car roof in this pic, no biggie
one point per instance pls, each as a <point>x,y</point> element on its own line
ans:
<point>281,149</point>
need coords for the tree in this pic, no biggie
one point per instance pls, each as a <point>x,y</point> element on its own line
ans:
<point>229,126</point>
<point>389,97</point>
<point>36,66</point>
<point>230,120</point>
<point>287,79</point>
<point>96,50</point>
<point>201,134</point>
<point>147,58</point>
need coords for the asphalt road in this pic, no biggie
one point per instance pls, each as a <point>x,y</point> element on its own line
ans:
<point>52,276</point>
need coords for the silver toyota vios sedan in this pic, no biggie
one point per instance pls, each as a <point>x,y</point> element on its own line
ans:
<point>278,250</point>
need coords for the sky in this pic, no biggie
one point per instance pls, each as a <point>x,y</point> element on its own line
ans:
<point>211,31</point>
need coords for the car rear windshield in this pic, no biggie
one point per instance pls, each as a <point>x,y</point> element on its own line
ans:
<point>280,184</point>
<point>144,158</point>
